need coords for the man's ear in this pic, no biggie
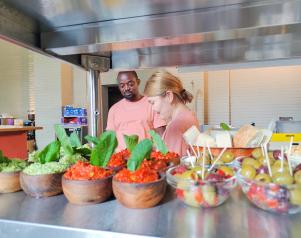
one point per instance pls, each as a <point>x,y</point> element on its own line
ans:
<point>138,81</point>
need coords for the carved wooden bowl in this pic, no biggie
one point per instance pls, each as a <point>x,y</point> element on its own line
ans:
<point>39,186</point>
<point>9,182</point>
<point>83,192</point>
<point>139,195</point>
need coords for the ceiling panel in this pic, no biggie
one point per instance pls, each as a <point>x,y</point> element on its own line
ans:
<point>58,13</point>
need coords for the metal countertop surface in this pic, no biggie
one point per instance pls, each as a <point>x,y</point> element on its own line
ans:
<point>23,216</point>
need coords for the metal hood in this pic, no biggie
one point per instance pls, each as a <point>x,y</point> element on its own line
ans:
<point>154,33</point>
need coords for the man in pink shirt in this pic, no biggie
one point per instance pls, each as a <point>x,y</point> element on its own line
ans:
<point>133,115</point>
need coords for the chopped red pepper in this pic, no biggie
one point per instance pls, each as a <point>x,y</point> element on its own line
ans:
<point>157,155</point>
<point>141,175</point>
<point>85,171</point>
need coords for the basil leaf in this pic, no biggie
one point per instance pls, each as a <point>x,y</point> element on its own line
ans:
<point>224,126</point>
<point>131,141</point>
<point>64,139</point>
<point>92,139</point>
<point>50,153</point>
<point>74,140</point>
<point>102,152</point>
<point>159,143</point>
<point>142,150</point>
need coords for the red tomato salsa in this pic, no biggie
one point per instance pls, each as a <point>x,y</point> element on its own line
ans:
<point>157,155</point>
<point>158,165</point>
<point>119,159</point>
<point>142,175</point>
<point>85,171</point>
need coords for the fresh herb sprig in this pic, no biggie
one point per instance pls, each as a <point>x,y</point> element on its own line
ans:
<point>104,148</point>
<point>158,142</point>
<point>142,150</point>
<point>131,141</point>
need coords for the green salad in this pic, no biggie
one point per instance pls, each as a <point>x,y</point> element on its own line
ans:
<point>47,168</point>
<point>58,155</point>
<point>11,165</point>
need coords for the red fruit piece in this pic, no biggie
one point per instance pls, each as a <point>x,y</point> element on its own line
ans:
<point>214,178</point>
<point>180,193</point>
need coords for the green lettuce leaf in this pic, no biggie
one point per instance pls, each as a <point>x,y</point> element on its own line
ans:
<point>142,150</point>
<point>104,149</point>
<point>159,143</point>
<point>50,153</point>
<point>64,139</point>
<point>224,126</point>
<point>74,140</point>
<point>131,141</point>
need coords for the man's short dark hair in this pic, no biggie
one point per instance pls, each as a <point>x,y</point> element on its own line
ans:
<point>132,72</point>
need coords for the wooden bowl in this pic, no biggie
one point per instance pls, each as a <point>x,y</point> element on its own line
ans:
<point>83,192</point>
<point>139,195</point>
<point>116,169</point>
<point>238,152</point>
<point>9,182</point>
<point>45,185</point>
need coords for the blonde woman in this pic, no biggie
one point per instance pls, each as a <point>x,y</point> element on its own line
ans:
<point>168,97</point>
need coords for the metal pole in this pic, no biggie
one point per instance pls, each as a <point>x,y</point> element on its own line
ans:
<point>94,65</point>
<point>93,84</point>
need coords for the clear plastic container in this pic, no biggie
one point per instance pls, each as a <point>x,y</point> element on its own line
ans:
<point>199,193</point>
<point>272,197</point>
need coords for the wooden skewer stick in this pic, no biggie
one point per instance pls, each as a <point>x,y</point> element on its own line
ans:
<point>218,158</point>
<point>190,158</point>
<point>282,159</point>
<point>289,156</point>
<point>209,150</point>
<point>266,156</point>
<point>203,163</point>
<point>193,150</point>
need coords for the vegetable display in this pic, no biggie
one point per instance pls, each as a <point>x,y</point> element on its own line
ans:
<point>104,149</point>
<point>135,173</point>
<point>85,171</point>
<point>47,168</point>
<point>143,164</point>
<point>100,155</point>
<point>11,165</point>
<point>119,159</point>
<point>58,155</point>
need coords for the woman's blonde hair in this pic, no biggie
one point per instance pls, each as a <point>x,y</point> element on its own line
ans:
<point>162,81</point>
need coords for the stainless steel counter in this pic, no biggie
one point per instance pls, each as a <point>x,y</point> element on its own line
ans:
<point>23,216</point>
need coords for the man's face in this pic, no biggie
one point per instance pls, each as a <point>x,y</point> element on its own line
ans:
<point>128,86</point>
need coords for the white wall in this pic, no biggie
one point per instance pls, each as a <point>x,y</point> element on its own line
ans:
<point>259,95</point>
<point>218,97</point>
<point>47,93</point>
<point>14,84</point>
<point>80,98</point>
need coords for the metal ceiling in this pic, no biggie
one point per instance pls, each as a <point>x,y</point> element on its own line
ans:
<point>153,33</point>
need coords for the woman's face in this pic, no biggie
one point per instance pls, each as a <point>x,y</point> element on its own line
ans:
<point>162,106</point>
